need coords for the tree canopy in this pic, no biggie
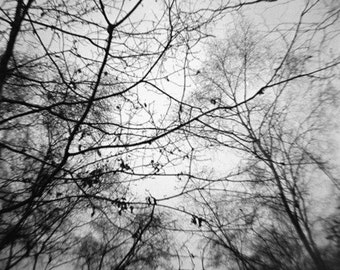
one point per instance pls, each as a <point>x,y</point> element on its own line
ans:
<point>169,134</point>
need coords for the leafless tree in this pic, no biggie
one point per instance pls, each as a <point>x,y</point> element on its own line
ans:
<point>78,124</point>
<point>274,106</point>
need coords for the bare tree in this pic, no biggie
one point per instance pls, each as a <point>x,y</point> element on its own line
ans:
<point>78,124</point>
<point>276,106</point>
